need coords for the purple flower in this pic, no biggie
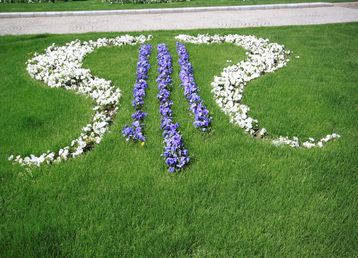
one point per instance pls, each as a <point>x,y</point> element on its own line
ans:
<point>135,130</point>
<point>139,115</point>
<point>202,119</point>
<point>175,155</point>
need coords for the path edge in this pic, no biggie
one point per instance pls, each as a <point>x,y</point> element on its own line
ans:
<point>163,10</point>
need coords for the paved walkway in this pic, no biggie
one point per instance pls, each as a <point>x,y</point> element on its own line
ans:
<point>336,13</point>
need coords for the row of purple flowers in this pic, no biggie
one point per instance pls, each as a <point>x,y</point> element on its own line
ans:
<point>135,130</point>
<point>202,119</point>
<point>175,155</point>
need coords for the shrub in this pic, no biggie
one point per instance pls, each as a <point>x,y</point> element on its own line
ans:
<point>109,1</point>
<point>31,1</point>
<point>143,1</point>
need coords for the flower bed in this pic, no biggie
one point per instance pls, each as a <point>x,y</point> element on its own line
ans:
<point>135,131</point>
<point>202,119</point>
<point>263,57</point>
<point>61,67</point>
<point>176,156</point>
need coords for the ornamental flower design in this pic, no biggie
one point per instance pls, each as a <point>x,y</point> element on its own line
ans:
<point>175,155</point>
<point>228,88</point>
<point>135,131</point>
<point>202,119</point>
<point>61,67</point>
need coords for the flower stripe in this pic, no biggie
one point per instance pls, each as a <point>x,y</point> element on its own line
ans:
<point>175,155</point>
<point>202,119</point>
<point>135,130</point>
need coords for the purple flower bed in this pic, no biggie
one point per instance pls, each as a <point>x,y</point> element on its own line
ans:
<point>176,156</point>
<point>135,130</point>
<point>202,119</point>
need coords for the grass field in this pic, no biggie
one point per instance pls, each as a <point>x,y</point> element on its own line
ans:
<point>99,5</point>
<point>240,196</point>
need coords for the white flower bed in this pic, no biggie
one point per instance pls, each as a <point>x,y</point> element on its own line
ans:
<point>62,67</point>
<point>262,57</point>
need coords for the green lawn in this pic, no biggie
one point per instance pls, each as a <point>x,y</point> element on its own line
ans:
<point>99,5</point>
<point>240,197</point>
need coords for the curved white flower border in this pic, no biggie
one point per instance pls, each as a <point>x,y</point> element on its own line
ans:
<point>61,67</point>
<point>263,57</point>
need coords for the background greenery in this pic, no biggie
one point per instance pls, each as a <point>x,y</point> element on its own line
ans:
<point>109,1</point>
<point>78,5</point>
<point>239,197</point>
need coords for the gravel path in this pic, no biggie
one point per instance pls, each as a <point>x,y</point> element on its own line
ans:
<point>336,13</point>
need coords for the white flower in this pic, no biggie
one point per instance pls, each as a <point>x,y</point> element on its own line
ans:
<point>262,57</point>
<point>61,67</point>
